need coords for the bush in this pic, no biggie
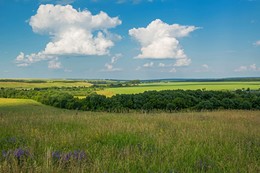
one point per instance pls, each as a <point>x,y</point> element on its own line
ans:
<point>205,105</point>
<point>168,100</point>
<point>245,105</point>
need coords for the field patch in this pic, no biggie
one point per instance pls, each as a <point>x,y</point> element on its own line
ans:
<point>16,102</point>
<point>23,106</point>
<point>47,84</point>
<point>180,85</point>
<point>107,92</point>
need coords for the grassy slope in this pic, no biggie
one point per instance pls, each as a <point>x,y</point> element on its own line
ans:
<point>181,85</point>
<point>42,85</point>
<point>225,141</point>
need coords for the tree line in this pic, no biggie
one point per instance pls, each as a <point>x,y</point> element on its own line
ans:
<point>167,100</point>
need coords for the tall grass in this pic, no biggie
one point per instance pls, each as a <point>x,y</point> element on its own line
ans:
<point>224,141</point>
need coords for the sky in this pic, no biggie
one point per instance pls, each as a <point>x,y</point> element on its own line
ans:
<point>129,39</point>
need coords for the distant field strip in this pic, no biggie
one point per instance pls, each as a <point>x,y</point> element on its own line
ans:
<point>22,85</point>
<point>181,85</point>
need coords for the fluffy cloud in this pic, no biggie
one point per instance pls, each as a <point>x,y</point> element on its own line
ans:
<point>166,65</point>
<point>72,33</point>
<point>161,64</point>
<point>23,60</point>
<point>159,40</point>
<point>182,62</point>
<point>110,66</point>
<point>62,2</point>
<point>241,68</point>
<point>54,64</point>
<point>257,43</point>
<point>173,70</point>
<point>148,65</point>
<point>252,67</point>
<point>205,66</point>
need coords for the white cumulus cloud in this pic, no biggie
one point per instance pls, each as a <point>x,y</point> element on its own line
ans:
<point>257,43</point>
<point>241,68</point>
<point>110,66</point>
<point>54,64</point>
<point>206,66</point>
<point>62,2</point>
<point>159,40</point>
<point>173,70</point>
<point>161,64</point>
<point>252,67</point>
<point>182,62</point>
<point>72,32</point>
<point>23,60</point>
<point>203,68</point>
<point>148,65</point>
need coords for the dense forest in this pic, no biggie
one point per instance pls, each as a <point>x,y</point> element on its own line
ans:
<point>168,100</point>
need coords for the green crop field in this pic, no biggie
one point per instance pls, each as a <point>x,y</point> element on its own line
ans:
<point>47,84</point>
<point>181,85</point>
<point>39,138</point>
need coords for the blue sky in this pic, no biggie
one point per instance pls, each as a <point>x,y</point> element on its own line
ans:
<point>129,39</point>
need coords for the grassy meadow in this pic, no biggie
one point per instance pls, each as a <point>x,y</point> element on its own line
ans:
<point>181,85</point>
<point>221,141</point>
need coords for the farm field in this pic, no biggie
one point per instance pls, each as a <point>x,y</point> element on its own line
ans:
<point>47,84</point>
<point>180,85</point>
<point>220,141</point>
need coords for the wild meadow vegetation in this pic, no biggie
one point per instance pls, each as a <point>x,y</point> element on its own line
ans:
<point>39,138</point>
<point>189,130</point>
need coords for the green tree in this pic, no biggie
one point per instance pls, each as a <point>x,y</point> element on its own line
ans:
<point>205,105</point>
<point>170,107</point>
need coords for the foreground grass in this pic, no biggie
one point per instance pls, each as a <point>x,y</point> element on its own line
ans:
<point>223,141</point>
<point>180,85</point>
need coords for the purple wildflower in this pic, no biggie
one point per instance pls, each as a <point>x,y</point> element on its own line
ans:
<point>19,153</point>
<point>56,155</point>
<point>66,157</point>
<point>79,155</point>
